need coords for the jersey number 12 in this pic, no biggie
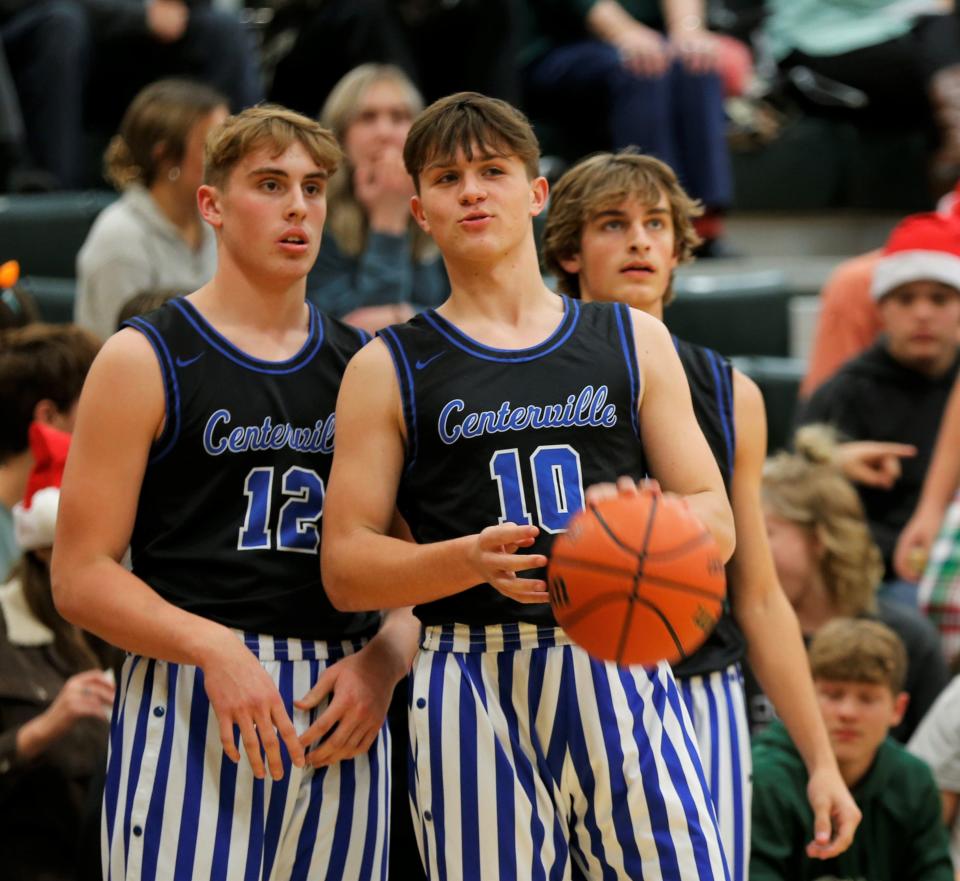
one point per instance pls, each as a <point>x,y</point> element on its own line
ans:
<point>297,523</point>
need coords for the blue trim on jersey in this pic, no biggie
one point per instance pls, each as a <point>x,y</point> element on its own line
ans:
<point>719,388</point>
<point>629,346</point>
<point>275,368</point>
<point>726,377</point>
<point>171,430</point>
<point>455,336</point>
<point>405,379</point>
<point>364,336</point>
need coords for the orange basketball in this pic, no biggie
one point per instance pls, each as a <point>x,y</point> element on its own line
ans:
<point>636,580</point>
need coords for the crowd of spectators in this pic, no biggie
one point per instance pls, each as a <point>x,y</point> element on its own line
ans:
<point>853,526</point>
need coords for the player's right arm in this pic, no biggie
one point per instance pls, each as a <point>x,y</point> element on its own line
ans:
<point>120,414</point>
<point>363,566</point>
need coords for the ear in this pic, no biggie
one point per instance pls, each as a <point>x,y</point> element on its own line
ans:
<point>539,191</point>
<point>416,209</point>
<point>208,203</point>
<point>900,704</point>
<point>573,265</point>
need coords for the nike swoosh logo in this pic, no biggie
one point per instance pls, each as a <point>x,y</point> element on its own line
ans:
<point>186,362</point>
<point>430,360</point>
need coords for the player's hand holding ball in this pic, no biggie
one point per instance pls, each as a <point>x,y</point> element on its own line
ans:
<point>495,558</point>
<point>636,578</point>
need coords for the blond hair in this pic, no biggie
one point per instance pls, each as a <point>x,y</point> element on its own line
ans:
<point>155,129</point>
<point>266,125</point>
<point>346,217</point>
<point>468,121</point>
<point>602,182</point>
<point>858,650</point>
<point>806,488</point>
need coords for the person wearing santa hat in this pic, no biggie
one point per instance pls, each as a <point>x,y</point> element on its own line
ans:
<point>897,389</point>
<point>55,699</point>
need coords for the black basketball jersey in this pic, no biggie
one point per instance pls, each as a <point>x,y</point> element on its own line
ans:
<point>228,521</point>
<point>710,377</point>
<point>512,435</point>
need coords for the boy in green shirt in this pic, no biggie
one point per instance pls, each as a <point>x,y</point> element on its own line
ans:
<point>858,669</point>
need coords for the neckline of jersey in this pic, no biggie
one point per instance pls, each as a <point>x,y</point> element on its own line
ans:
<point>557,337</point>
<point>309,348</point>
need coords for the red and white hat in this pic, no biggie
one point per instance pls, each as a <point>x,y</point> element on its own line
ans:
<point>921,247</point>
<point>35,518</point>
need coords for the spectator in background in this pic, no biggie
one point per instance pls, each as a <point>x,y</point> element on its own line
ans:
<point>376,266</point>
<point>42,368</point>
<point>937,742</point>
<point>896,390</point>
<point>153,235</point>
<point>887,64</point>
<point>858,669</point>
<point>55,698</point>
<point>830,567</point>
<point>652,70</point>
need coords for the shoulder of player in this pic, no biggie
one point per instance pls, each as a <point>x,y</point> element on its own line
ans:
<point>650,334</point>
<point>749,410</point>
<point>372,364</point>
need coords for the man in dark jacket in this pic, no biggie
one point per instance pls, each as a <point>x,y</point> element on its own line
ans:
<point>897,389</point>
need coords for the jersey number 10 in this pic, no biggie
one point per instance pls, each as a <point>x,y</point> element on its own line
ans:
<point>557,486</point>
<point>297,524</point>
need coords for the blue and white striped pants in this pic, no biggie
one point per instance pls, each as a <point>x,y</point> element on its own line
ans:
<point>579,769</point>
<point>176,808</point>
<point>717,705</point>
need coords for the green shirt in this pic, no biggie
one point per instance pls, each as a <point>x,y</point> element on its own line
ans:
<point>901,836</point>
<point>815,27</point>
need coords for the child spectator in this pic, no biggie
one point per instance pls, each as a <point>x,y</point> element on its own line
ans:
<point>858,670</point>
<point>42,367</point>
<point>153,235</point>
<point>830,567</point>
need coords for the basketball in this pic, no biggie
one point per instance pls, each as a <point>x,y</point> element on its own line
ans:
<point>637,580</point>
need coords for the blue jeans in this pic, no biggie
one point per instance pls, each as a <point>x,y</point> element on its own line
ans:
<point>677,117</point>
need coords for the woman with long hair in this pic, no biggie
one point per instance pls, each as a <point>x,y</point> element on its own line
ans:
<point>376,266</point>
<point>829,565</point>
<point>152,236</point>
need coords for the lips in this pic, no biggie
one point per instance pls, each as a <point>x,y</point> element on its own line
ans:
<point>638,266</point>
<point>294,236</point>
<point>474,217</point>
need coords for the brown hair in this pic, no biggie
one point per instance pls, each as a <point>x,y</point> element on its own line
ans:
<point>601,182</point>
<point>806,488</point>
<point>161,115</point>
<point>469,121</point>
<point>858,650</point>
<point>265,125</point>
<point>347,219</point>
<point>38,362</point>
<point>146,301</point>
<point>17,308</point>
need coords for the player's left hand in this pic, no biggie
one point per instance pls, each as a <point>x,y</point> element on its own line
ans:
<point>835,814</point>
<point>361,686</point>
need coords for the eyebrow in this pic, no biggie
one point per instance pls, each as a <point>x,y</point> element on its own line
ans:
<point>450,162</point>
<point>279,172</point>
<point>617,212</point>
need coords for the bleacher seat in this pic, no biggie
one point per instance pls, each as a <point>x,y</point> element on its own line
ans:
<point>45,231</point>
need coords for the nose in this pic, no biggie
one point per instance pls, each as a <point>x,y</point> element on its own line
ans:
<point>639,239</point>
<point>296,206</point>
<point>472,189</point>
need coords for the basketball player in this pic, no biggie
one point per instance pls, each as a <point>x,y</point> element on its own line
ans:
<point>203,439</point>
<point>618,227</point>
<point>484,421</point>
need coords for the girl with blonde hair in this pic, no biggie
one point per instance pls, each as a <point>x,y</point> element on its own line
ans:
<point>829,565</point>
<point>376,266</point>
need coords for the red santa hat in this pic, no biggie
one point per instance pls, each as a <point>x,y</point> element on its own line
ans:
<point>35,518</point>
<point>922,247</point>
